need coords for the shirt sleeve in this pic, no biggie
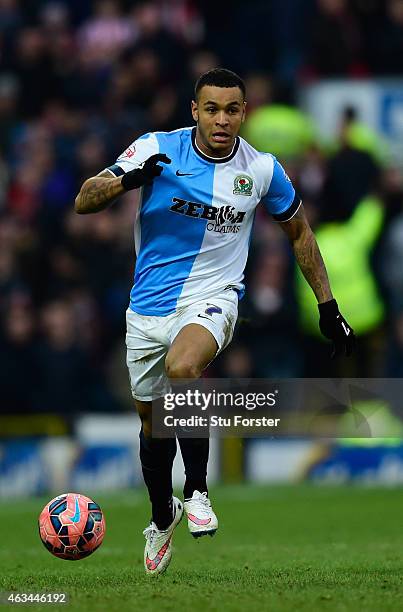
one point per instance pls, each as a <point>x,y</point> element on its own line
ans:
<point>281,200</point>
<point>135,155</point>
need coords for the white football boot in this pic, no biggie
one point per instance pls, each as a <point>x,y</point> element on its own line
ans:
<point>158,548</point>
<point>201,518</point>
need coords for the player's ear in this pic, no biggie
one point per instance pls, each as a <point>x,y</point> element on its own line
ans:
<point>195,112</point>
<point>243,112</point>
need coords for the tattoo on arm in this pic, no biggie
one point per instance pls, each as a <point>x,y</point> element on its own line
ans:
<point>98,192</point>
<point>308,255</point>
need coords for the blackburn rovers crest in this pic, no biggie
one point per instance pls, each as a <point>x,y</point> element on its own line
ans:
<point>243,185</point>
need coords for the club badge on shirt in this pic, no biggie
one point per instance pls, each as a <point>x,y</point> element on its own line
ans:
<point>243,185</point>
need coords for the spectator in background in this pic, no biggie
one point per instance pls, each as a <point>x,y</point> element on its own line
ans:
<point>35,74</point>
<point>90,152</point>
<point>385,45</point>
<point>392,263</point>
<point>62,364</point>
<point>110,266</point>
<point>350,218</point>
<point>286,131</point>
<point>166,43</point>
<point>260,90</point>
<point>120,113</point>
<point>311,172</point>
<point>61,46</point>
<point>145,67</point>
<point>236,362</point>
<point>254,44</point>
<point>18,365</point>
<point>336,46</point>
<point>34,162</point>
<point>9,276</point>
<point>67,381</point>
<point>390,270</point>
<point>106,34</point>
<point>269,308</point>
<point>351,175</point>
<point>347,245</point>
<point>8,111</point>
<point>183,19</point>
<point>10,22</point>
<point>394,357</point>
<point>17,245</point>
<point>199,62</point>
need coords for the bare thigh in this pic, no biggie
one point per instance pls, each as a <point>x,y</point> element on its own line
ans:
<point>191,352</point>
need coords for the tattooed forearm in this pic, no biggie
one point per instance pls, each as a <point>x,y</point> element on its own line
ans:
<point>310,261</point>
<point>308,256</point>
<point>97,193</point>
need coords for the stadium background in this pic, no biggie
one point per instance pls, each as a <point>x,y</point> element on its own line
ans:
<point>79,81</point>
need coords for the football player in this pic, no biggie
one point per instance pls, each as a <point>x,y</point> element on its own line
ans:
<point>200,187</point>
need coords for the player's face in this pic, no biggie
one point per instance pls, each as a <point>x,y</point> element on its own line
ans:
<point>219,112</point>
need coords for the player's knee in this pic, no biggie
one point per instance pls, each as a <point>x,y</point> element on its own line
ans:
<point>182,369</point>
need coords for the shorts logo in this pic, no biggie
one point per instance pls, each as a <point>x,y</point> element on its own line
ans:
<point>243,185</point>
<point>212,309</point>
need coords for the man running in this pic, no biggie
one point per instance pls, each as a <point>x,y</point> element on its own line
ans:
<point>200,187</point>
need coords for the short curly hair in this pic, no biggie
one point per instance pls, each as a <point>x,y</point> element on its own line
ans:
<point>219,77</point>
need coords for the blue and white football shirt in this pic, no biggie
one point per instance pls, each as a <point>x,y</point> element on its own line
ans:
<point>194,222</point>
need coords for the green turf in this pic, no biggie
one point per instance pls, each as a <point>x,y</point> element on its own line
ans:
<point>278,548</point>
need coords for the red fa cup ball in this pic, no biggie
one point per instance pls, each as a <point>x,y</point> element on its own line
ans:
<point>72,526</point>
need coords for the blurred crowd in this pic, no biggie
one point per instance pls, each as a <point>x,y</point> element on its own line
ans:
<point>80,80</point>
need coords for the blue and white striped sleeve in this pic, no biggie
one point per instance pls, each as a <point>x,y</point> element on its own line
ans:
<point>281,200</point>
<point>135,155</point>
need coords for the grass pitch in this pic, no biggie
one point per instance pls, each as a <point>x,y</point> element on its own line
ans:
<point>277,548</point>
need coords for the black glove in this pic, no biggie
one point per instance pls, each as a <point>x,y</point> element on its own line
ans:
<point>334,326</point>
<point>145,175</point>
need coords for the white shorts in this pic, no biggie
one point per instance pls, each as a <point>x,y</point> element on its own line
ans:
<point>149,338</point>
